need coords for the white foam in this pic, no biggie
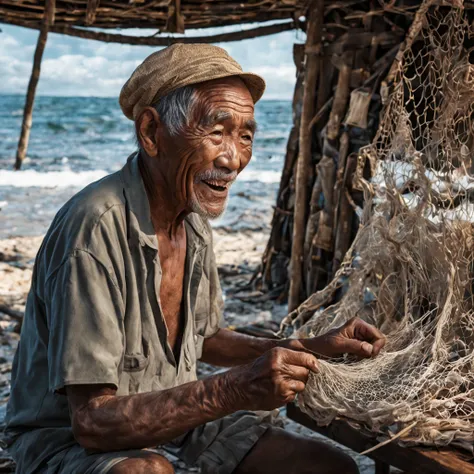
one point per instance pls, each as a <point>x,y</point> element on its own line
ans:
<point>262,176</point>
<point>65,179</point>
<point>50,179</point>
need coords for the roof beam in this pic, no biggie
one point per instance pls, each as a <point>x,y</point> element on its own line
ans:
<point>91,11</point>
<point>161,41</point>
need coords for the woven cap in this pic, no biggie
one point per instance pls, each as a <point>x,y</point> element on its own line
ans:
<point>177,66</point>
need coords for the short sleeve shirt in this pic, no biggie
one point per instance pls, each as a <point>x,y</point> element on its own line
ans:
<point>93,313</point>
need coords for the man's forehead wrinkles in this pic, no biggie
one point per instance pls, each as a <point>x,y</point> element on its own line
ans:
<point>223,103</point>
<point>211,117</point>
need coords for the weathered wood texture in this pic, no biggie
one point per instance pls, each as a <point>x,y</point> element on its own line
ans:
<point>168,40</point>
<point>409,460</point>
<point>48,20</point>
<point>175,20</point>
<point>303,167</point>
<point>316,204</point>
<point>91,11</point>
<point>162,15</point>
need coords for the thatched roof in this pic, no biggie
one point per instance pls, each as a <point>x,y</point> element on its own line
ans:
<point>162,15</point>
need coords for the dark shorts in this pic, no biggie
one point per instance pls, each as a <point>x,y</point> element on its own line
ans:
<point>217,447</point>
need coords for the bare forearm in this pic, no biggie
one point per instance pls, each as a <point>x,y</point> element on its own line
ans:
<point>229,348</point>
<point>153,418</point>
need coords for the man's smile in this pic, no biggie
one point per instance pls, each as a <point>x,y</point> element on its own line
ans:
<point>219,186</point>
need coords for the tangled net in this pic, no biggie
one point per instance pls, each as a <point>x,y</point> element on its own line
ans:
<point>410,268</point>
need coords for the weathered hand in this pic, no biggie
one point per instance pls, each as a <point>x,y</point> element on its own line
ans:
<point>272,380</point>
<point>355,337</point>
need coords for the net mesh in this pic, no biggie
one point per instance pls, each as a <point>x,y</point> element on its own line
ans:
<point>410,268</point>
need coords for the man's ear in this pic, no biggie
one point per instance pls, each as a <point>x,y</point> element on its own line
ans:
<point>147,126</point>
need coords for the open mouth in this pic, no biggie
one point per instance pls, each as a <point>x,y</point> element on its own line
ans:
<point>215,186</point>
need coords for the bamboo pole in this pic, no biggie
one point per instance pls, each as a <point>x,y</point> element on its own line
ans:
<point>48,19</point>
<point>303,169</point>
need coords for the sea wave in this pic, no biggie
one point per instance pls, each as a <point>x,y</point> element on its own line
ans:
<point>50,179</point>
<point>263,176</point>
<point>65,179</point>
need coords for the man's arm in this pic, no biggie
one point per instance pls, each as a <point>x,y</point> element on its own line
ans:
<point>103,421</point>
<point>229,348</point>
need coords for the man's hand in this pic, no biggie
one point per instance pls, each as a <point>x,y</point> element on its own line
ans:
<point>355,337</point>
<point>272,380</point>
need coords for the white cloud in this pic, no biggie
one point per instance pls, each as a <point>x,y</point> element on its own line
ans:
<point>77,67</point>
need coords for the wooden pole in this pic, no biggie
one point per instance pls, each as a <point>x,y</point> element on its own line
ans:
<point>91,11</point>
<point>48,19</point>
<point>303,169</point>
<point>162,40</point>
<point>175,21</point>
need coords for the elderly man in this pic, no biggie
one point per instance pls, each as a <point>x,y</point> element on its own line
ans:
<point>125,299</point>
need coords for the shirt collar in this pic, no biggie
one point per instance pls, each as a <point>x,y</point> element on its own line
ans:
<point>198,233</point>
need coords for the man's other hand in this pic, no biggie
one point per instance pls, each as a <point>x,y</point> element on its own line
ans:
<point>354,337</point>
<point>272,380</point>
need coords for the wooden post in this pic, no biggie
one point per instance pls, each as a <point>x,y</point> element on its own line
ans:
<point>91,11</point>
<point>303,169</point>
<point>175,21</point>
<point>48,19</point>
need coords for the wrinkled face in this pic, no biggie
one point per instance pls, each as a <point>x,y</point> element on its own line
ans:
<point>215,147</point>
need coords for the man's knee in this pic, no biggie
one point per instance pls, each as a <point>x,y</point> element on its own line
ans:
<point>283,451</point>
<point>149,463</point>
<point>331,460</point>
<point>346,465</point>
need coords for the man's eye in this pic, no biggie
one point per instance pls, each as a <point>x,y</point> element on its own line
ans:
<point>217,133</point>
<point>247,137</point>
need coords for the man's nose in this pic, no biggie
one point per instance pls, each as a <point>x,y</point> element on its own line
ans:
<point>229,158</point>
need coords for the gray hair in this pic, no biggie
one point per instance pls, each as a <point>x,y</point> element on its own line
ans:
<point>175,109</point>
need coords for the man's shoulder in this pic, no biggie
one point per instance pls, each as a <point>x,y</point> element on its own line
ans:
<point>92,204</point>
<point>85,220</point>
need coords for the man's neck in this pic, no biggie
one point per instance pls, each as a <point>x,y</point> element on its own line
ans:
<point>167,214</point>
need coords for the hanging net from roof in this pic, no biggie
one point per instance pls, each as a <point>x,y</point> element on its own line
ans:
<point>410,268</point>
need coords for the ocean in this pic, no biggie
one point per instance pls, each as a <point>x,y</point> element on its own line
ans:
<point>77,140</point>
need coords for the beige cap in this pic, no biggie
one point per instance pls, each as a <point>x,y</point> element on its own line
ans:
<point>177,66</point>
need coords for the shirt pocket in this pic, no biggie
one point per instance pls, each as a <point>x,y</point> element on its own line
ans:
<point>134,377</point>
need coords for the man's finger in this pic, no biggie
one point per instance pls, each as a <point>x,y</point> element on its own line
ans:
<point>378,344</point>
<point>297,386</point>
<point>302,359</point>
<point>359,348</point>
<point>296,372</point>
<point>366,332</point>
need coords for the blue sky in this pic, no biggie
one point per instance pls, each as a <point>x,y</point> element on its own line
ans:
<point>78,67</point>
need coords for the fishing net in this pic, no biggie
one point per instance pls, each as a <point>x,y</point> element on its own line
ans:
<point>410,269</point>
